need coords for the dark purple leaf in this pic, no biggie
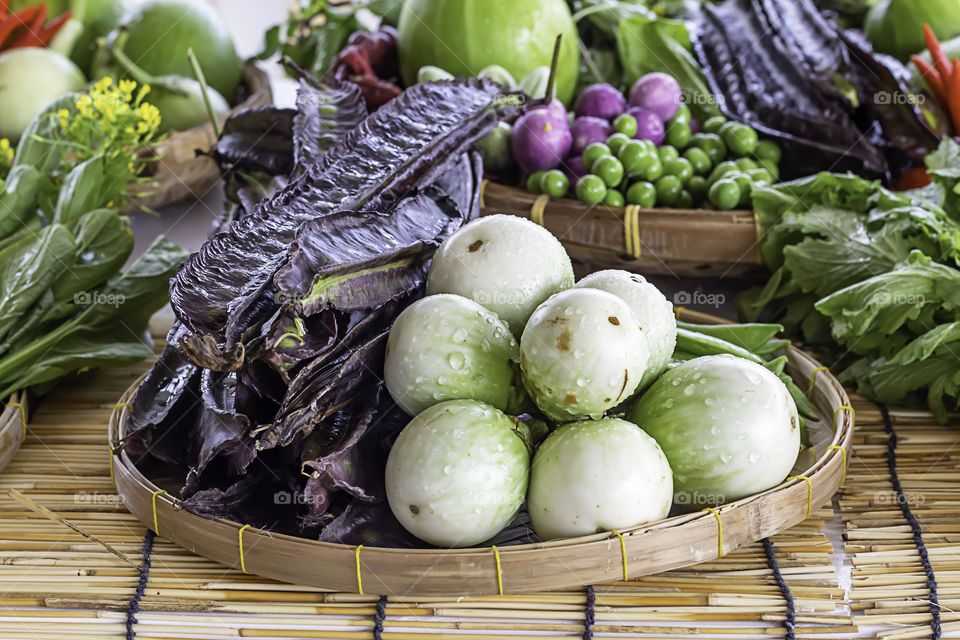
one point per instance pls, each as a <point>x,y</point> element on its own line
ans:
<point>226,288</point>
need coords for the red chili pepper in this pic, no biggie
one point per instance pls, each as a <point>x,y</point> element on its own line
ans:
<point>50,30</point>
<point>933,80</point>
<point>4,8</point>
<point>940,60</point>
<point>11,23</point>
<point>31,37</point>
<point>913,179</point>
<point>954,96</point>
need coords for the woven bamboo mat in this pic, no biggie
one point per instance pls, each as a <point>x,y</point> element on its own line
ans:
<point>74,577</point>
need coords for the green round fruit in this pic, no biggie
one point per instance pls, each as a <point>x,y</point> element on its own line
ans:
<point>625,124</point>
<point>771,168</point>
<point>99,18</point>
<point>685,201</point>
<point>650,167</point>
<point>159,33</point>
<point>711,144</point>
<point>643,194</point>
<point>712,125</point>
<point>30,79</point>
<point>679,167</point>
<point>699,159</point>
<point>725,194</point>
<point>667,152</point>
<point>678,134</point>
<point>768,150</point>
<point>630,155</point>
<point>616,142</point>
<point>760,176</point>
<point>447,347</point>
<point>464,37</point>
<point>591,189</point>
<point>682,115</point>
<point>698,188</point>
<point>613,198</point>
<point>722,169</point>
<point>740,139</point>
<point>609,169</point>
<point>668,191</point>
<point>534,182</point>
<point>746,164</point>
<point>457,473</point>
<point>594,151</point>
<point>554,183</point>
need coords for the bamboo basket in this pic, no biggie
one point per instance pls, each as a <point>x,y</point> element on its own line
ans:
<point>604,557</point>
<point>13,427</point>
<point>177,173</point>
<point>677,242</point>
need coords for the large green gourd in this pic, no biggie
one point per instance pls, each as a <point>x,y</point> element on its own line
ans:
<point>895,27</point>
<point>464,36</point>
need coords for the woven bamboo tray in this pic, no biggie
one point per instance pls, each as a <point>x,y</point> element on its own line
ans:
<point>643,550</point>
<point>13,427</point>
<point>677,242</point>
<point>177,173</point>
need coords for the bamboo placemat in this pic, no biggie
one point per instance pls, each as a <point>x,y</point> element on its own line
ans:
<point>57,582</point>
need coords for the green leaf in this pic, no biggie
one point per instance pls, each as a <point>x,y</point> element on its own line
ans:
<point>19,199</point>
<point>37,147</point>
<point>106,331</point>
<point>30,267</point>
<point>271,44</point>
<point>882,304</point>
<point>95,184</point>
<point>87,348</point>
<point>657,44</point>
<point>943,165</point>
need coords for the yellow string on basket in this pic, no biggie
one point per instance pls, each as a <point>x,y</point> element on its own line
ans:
<point>483,189</point>
<point>536,211</point>
<point>853,416</point>
<point>813,380</point>
<point>113,452</point>
<point>843,452</point>
<point>809,492</point>
<point>631,230</point>
<point>496,558</point>
<point>23,417</point>
<point>623,552</point>
<point>123,404</point>
<point>243,562</point>
<point>356,554</point>
<point>716,515</point>
<point>677,311</point>
<point>156,526</point>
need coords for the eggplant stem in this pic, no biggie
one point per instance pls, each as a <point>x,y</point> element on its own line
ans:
<point>551,81</point>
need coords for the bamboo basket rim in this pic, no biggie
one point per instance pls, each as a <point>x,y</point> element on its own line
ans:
<point>13,427</point>
<point>495,570</point>
<point>526,199</point>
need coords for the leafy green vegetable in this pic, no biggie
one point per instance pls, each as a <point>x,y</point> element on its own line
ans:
<point>656,44</point>
<point>870,278</point>
<point>63,242</point>
<point>108,331</point>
